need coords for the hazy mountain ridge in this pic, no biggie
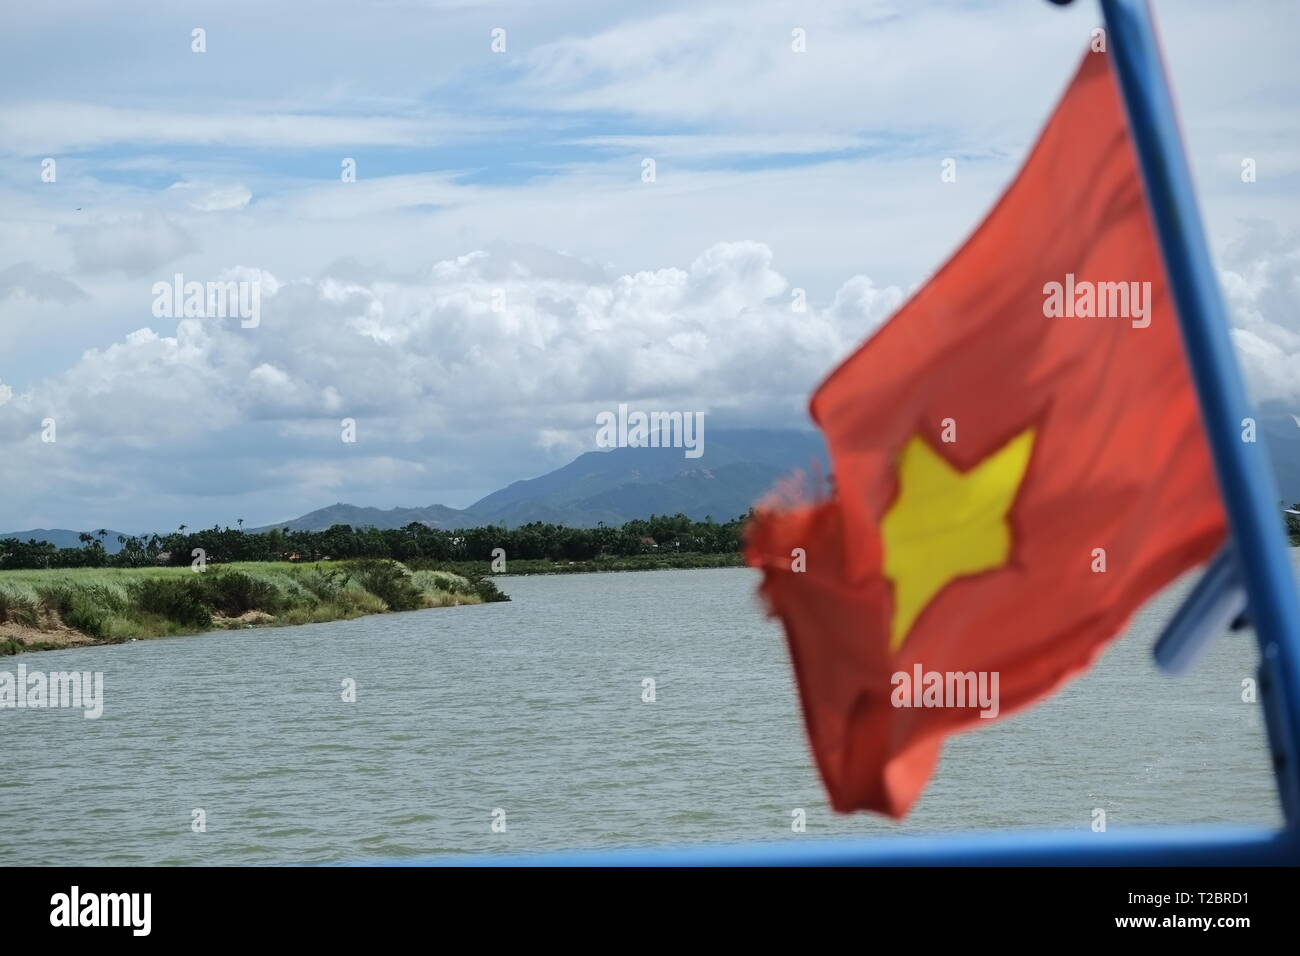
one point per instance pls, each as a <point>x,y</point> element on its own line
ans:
<point>738,467</point>
<point>435,516</point>
<point>1280,433</point>
<point>64,538</point>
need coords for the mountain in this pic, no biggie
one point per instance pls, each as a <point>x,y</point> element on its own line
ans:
<point>63,538</point>
<point>1280,432</point>
<point>435,516</point>
<point>737,468</point>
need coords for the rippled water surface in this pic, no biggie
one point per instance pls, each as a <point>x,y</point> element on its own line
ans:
<point>535,707</point>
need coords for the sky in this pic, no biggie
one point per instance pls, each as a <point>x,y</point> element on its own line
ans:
<point>500,270</point>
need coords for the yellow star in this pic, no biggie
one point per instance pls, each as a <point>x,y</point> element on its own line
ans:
<point>945,524</point>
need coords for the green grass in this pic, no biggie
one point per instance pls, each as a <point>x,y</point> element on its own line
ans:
<point>110,605</point>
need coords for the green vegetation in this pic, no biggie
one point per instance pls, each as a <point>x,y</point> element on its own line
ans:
<point>660,534</point>
<point>57,608</point>
<point>56,597</point>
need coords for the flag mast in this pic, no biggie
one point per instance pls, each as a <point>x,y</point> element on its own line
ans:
<point>1257,546</point>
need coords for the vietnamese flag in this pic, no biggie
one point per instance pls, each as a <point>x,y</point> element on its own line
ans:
<point>1019,463</point>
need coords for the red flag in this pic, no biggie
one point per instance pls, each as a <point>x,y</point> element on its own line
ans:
<point>1018,463</point>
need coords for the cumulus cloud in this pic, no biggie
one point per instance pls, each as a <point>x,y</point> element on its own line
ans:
<point>499,331</point>
<point>1261,282</point>
<point>487,367</point>
<point>513,346</point>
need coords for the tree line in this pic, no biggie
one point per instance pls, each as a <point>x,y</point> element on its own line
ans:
<point>415,541</point>
<point>536,541</point>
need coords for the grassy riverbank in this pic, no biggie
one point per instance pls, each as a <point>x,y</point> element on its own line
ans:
<point>607,562</point>
<point>47,609</point>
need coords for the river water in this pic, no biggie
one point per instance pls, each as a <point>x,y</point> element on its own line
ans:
<point>535,708</point>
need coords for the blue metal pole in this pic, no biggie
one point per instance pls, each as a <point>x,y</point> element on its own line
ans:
<point>1249,494</point>
<point>1214,603</point>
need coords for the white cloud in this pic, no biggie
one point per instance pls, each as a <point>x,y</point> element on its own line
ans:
<point>426,366</point>
<point>207,197</point>
<point>425,362</point>
<point>1261,283</point>
<point>133,244</point>
<point>41,128</point>
<point>25,278</point>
